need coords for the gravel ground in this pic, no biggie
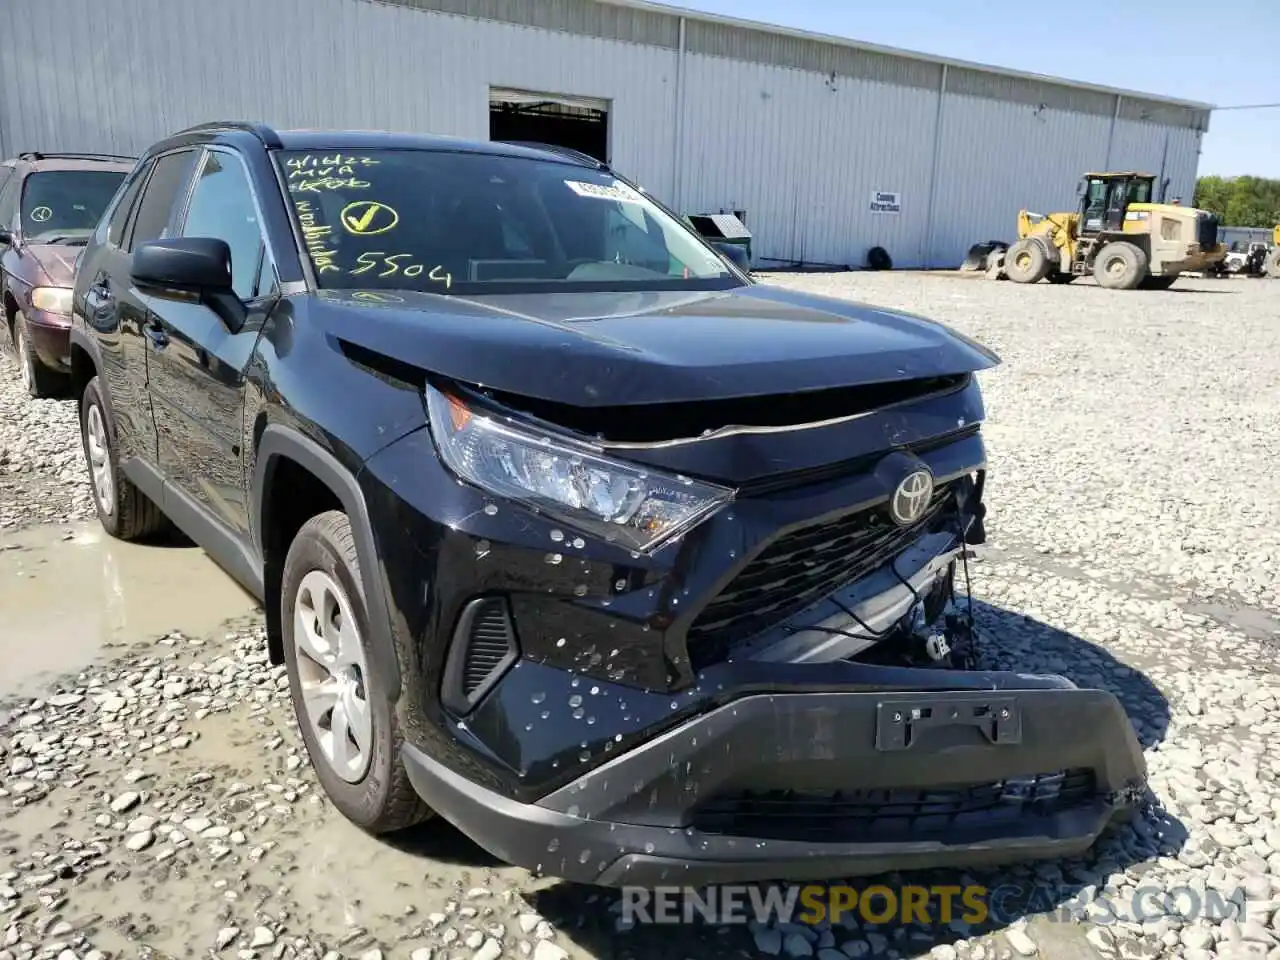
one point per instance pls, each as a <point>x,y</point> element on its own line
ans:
<point>160,805</point>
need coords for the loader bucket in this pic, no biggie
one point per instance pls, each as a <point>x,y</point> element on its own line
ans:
<point>978,258</point>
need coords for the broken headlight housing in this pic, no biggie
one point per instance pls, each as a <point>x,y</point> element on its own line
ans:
<point>621,502</point>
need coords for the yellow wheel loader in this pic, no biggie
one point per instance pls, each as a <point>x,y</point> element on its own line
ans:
<point>1119,236</point>
<point>1273,258</point>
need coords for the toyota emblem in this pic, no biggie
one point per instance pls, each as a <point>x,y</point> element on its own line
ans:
<point>911,498</point>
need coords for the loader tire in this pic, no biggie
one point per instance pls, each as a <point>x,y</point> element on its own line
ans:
<point>1273,264</point>
<point>1120,266</point>
<point>1026,261</point>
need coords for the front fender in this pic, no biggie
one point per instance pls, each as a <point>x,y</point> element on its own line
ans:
<point>281,442</point>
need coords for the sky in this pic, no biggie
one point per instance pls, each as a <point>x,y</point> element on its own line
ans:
<point>1218,55</point>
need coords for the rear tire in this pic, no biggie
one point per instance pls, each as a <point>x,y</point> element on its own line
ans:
<point>37,379</point>
<point>124,511</point>
<point>348,724</point>
<point>1027,261</point>
<point>1273,264</point>
<point>1120,266</point>
<point>1158,283</point>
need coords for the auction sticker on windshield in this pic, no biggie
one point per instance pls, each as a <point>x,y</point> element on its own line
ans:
<point>604,191</point>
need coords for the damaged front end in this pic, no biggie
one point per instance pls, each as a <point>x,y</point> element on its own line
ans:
<point>787,688</point>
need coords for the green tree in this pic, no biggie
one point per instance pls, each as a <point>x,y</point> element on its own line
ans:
<point>1240,201</point>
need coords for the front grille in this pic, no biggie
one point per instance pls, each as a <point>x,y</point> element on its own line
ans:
<point>895,815</point>
<point>1207,231</point>
<point>801,568</point>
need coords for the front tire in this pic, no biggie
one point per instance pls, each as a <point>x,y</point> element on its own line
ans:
<point>1120,266</point>
<point>1027,261</point>
<point>124,511</point>
<point>37,379</point>
<point>348,724</point>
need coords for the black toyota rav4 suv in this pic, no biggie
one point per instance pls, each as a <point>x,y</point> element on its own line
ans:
<point>566,530</point>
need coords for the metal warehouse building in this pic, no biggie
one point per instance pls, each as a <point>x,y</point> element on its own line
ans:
<point>829,146</point>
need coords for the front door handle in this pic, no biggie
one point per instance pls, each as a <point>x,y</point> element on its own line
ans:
<point>154,332</point>
<point>98,299</point>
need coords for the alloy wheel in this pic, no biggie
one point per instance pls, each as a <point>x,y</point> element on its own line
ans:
<point>332,674</point>
<point>100,461</point>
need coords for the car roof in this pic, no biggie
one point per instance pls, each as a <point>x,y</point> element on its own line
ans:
<point>232,132</point>
<point>36,162</point>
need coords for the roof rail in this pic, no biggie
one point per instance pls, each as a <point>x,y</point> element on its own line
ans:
<point>567,152</point>
<point>270,139</point>
<point>42,155</point>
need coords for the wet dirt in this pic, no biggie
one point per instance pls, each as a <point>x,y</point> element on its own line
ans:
<point>71,593</point>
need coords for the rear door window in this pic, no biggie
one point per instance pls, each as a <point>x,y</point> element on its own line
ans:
<point>167,186</point>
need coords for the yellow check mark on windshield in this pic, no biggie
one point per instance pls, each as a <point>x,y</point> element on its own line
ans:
<point>368,217</point>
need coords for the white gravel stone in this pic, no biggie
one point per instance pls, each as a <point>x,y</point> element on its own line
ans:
<point>797,946</point>
<point>125,802</point>
<point>546,950</point>
<point>768,940</point>
<point>262,937</point>
<point>140,841</point>
<point>1021,941</point>
<point>226,936</point>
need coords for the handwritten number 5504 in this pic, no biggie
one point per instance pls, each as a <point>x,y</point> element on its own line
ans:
<point>375,258</point>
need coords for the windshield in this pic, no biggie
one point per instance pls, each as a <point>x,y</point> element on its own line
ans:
<point>65,205</point>
<point>469,223</point>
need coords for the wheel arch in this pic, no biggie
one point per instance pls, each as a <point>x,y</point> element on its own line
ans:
<point>281,446</point>
<point>86,363</point>
<point>11,309</point>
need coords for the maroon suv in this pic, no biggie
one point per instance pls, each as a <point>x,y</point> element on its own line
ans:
<point>50,204</point>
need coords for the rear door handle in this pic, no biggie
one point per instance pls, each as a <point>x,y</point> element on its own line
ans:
<point>154,332</point>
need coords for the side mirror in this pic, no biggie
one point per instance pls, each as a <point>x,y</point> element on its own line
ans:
<point>190,264</point>
<point>198,266</point>
<point>736,253</point>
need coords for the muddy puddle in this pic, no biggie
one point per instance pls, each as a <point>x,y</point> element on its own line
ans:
<point>70,594</point>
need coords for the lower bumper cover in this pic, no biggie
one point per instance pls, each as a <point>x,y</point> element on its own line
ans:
<point>657,814</point>
<point>50,336</point>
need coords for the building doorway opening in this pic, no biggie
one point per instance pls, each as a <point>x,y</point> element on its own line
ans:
<point>578,123</point>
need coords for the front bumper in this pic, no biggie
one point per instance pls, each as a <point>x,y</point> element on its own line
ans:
<point>865,793</point>
<point>1197,258</point>
<point>50,336</point>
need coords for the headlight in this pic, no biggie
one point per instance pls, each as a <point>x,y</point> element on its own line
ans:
<point>617,501</point>
<point>52,300</point>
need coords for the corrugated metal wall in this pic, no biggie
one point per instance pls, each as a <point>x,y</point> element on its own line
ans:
<point>797,132</point>
<point>118,74</point>
<point>997,157</point>
<point>803,154</point>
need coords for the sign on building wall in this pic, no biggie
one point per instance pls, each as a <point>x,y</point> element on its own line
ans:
<point>883,201</point>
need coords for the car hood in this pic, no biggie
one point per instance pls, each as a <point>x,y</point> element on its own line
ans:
<point>606,349</point>
<point>58,261</point>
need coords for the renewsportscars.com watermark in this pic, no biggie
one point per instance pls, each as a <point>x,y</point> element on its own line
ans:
<point>938,904</point>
